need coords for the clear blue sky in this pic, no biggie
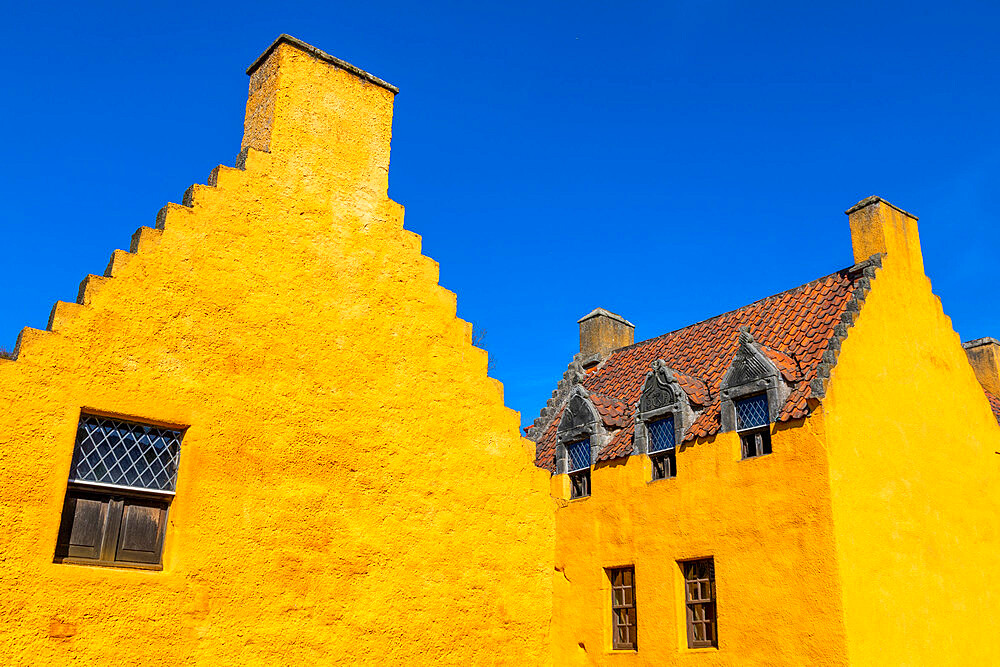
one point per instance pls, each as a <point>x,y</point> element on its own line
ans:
<point>642,157</point>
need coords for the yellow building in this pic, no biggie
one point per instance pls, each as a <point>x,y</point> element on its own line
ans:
<point>811,479</point>
<point>262,436</point>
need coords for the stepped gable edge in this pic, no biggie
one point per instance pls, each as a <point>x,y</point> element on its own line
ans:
<point>800,329</point>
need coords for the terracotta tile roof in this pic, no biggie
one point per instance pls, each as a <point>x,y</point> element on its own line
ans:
<point>994,403</point>
<point>795,327</point>
<point>613,412</point>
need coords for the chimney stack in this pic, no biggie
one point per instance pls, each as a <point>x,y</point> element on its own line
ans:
<point>879,227</point>
<point>602,331</point>
<point>984,355</point>
<point>320,116</point>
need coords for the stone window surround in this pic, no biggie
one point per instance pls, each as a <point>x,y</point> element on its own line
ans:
<point>680,409</point>
<point>593,429</point>
<point>770,383</point>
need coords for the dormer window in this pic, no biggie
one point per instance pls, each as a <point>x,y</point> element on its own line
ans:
<point>662,451</point>
<point>579,468</point>
<point>753,424</point>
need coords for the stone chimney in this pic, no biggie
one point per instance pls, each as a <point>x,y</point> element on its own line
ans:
<point>984,355</point>
<point>879,227</point>
<point>602,331</point>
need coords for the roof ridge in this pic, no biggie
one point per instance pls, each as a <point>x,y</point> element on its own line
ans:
<point>846,271</point>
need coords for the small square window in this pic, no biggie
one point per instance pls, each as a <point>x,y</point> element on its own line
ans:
<point>753,423</point>
<point>578,454</point>
<point>623,612</point>
<point>121,483</point>
<point>699,599</point>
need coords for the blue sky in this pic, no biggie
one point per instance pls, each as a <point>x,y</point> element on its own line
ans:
<point>668,161</point>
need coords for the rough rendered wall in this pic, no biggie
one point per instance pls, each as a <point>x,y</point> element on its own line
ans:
<point>915,478</point>
<point>767,523</point>
<point>351,487</point>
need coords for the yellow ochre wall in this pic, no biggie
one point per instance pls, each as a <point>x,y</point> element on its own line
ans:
<point>913,470</point>
<point>766,522</point>
<point>351,487</point>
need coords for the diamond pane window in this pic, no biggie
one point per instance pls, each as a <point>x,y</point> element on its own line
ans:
<point>661,434</point>
<point>752,412</point>
<point>122,453</point>
<point>579,455</point>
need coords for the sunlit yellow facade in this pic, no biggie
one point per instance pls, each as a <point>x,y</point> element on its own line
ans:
<point>869,536</point>
<point>352,490</point>
<point>330,506</point>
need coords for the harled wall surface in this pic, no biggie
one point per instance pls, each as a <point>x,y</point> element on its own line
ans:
<point>767,524</point>
<point>914,473</point>
<point>351,487</point>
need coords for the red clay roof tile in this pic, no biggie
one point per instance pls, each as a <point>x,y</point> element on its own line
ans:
<point>795,327</point>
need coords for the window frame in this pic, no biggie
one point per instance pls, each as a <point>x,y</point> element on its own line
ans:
<point>703,609</point>
<point>755,440</point>
<point>624,613</point>
<point>664,461</point>
<point>115,525</point>
<point>579,478</point>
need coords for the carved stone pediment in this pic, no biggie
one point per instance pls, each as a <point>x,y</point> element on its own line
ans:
<point>749,364</point>
<point>579,413</point>
<point>663,395</point>
<point>580,419</point>
<point>661,389</point>
<point>751,372</point>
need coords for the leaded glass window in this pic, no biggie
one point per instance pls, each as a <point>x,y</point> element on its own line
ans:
<point>752,423</point>
<point>661,434</point>
<point>122,479</point>
<point>662,451</point>
<point>579,455</point>
<point>752,412</point>
<point>123,453</point>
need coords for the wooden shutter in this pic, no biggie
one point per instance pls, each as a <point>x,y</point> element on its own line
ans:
<point>140,538</point>
<point>84,522</point>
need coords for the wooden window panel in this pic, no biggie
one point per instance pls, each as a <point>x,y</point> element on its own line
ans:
<point>699,594</point>
<point>664,464</point>
<point>84,521</point>
<point>109,529</point>
<point>623,609</point>
<point>579,484</point>
<point>756,443</point>
<point>140,539</point>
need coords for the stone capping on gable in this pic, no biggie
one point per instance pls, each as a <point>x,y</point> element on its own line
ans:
<point>751,372</point>
<point>875,199</point>
<point>319,55</point>
<point>867,269</point>
<point>663,380</point>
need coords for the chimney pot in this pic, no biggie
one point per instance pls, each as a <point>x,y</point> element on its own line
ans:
<point>984,355</point>
<point>602,331</point>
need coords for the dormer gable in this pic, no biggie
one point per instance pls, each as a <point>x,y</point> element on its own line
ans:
<point>754,371</point>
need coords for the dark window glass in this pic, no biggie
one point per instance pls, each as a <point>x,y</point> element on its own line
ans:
<point>121,483</point>
<point>623,613</point>
<point>699,597</point>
